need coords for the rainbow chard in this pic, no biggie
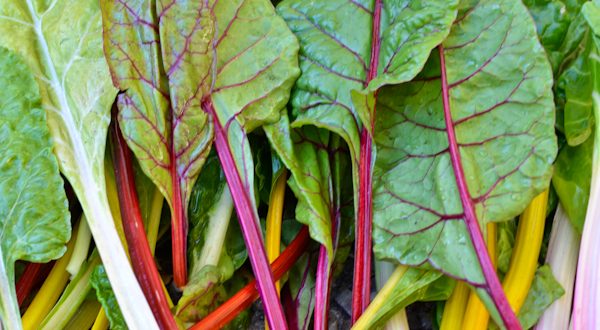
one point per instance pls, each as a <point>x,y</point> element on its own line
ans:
<point>470,141</point>
<point>349,49</point>
<point>194,71</point>
<point>61,41</point>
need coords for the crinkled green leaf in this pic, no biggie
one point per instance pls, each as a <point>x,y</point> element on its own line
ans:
<point>61,41</point>
<point>304,152</point>
<point>506,240</point>
<point>543,292</point>
<point>34,213</point>
<point>502,111</point>
<point>415,285</point>
<point>106,297</point>
<point>571,180</point>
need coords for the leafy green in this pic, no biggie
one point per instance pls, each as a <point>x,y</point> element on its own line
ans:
<point>571,180</point>
<point>61,41</point>
<point>500,95</point>
<point>544,291</point>
<point>506,240</point>
<point>415,285</point>
<point>104,292</point>
<point>34,214</point>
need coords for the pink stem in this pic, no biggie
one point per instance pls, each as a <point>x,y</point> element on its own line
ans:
<point>492,284</point>
<point>249,223</point>
<point>361,289</point>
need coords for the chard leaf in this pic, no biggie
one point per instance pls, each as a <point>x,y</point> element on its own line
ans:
<point>304,153</point>
<point>544,291</point>
<point>160,112</point>
<point>34,213</point>
<point>61,41</point>
<point>415,285</point>
<point>106,297</point>
<point>571,180</point>
<point>438,184</point>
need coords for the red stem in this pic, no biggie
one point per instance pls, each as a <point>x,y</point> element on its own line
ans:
<point>137,243</point>
<point>249,222</point>
<point>178,227</point>
<point>361,289</point>
<point>492,283</point>
<point>32,276</point>
<point>247,295</point>
<point>322,290</point>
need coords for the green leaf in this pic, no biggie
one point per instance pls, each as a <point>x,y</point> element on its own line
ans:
<point>506,240</point>
<point>61,41</point>
<point>571,180</point>
<point>304,153</point>
<point>106,297</point>
<point>415,285</point>
<point>543,292</point>
<point>34,214</point>
<point>500,96</point>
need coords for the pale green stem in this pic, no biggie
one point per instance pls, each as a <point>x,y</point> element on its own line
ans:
<point>82,247</point>
<point>217,230</point>
<point>72,298</point>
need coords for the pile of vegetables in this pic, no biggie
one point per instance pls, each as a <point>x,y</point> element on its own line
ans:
<point>167,163</point>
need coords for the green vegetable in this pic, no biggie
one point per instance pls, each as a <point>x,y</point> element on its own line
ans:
<point>544,291</point>
<point>106,296</point>
<point>34,215</point>
<point>61,41</point>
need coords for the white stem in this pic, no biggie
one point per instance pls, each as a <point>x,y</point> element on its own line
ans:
<point>9,309</point>
<point>82,246</point>
<point>217,229</point>
<point>563,250</point>
<point>587,287</point>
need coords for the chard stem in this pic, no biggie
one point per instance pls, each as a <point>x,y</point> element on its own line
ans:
<point>82,246</point>
<point>454,309</point>
<point>32,276</point>
<point>526,251</point>
<point>101,322</point>
<point>562,258</point>
<point>361,289</point>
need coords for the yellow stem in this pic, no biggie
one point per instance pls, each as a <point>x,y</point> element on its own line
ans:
<point>101,322</point>
<point>380,300</point>
<point>454,310</point>
<point>273,230</point>
<point>84,318</point>
<point>51,289</point>
<point>528,242</point>
<point>476,315</point>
